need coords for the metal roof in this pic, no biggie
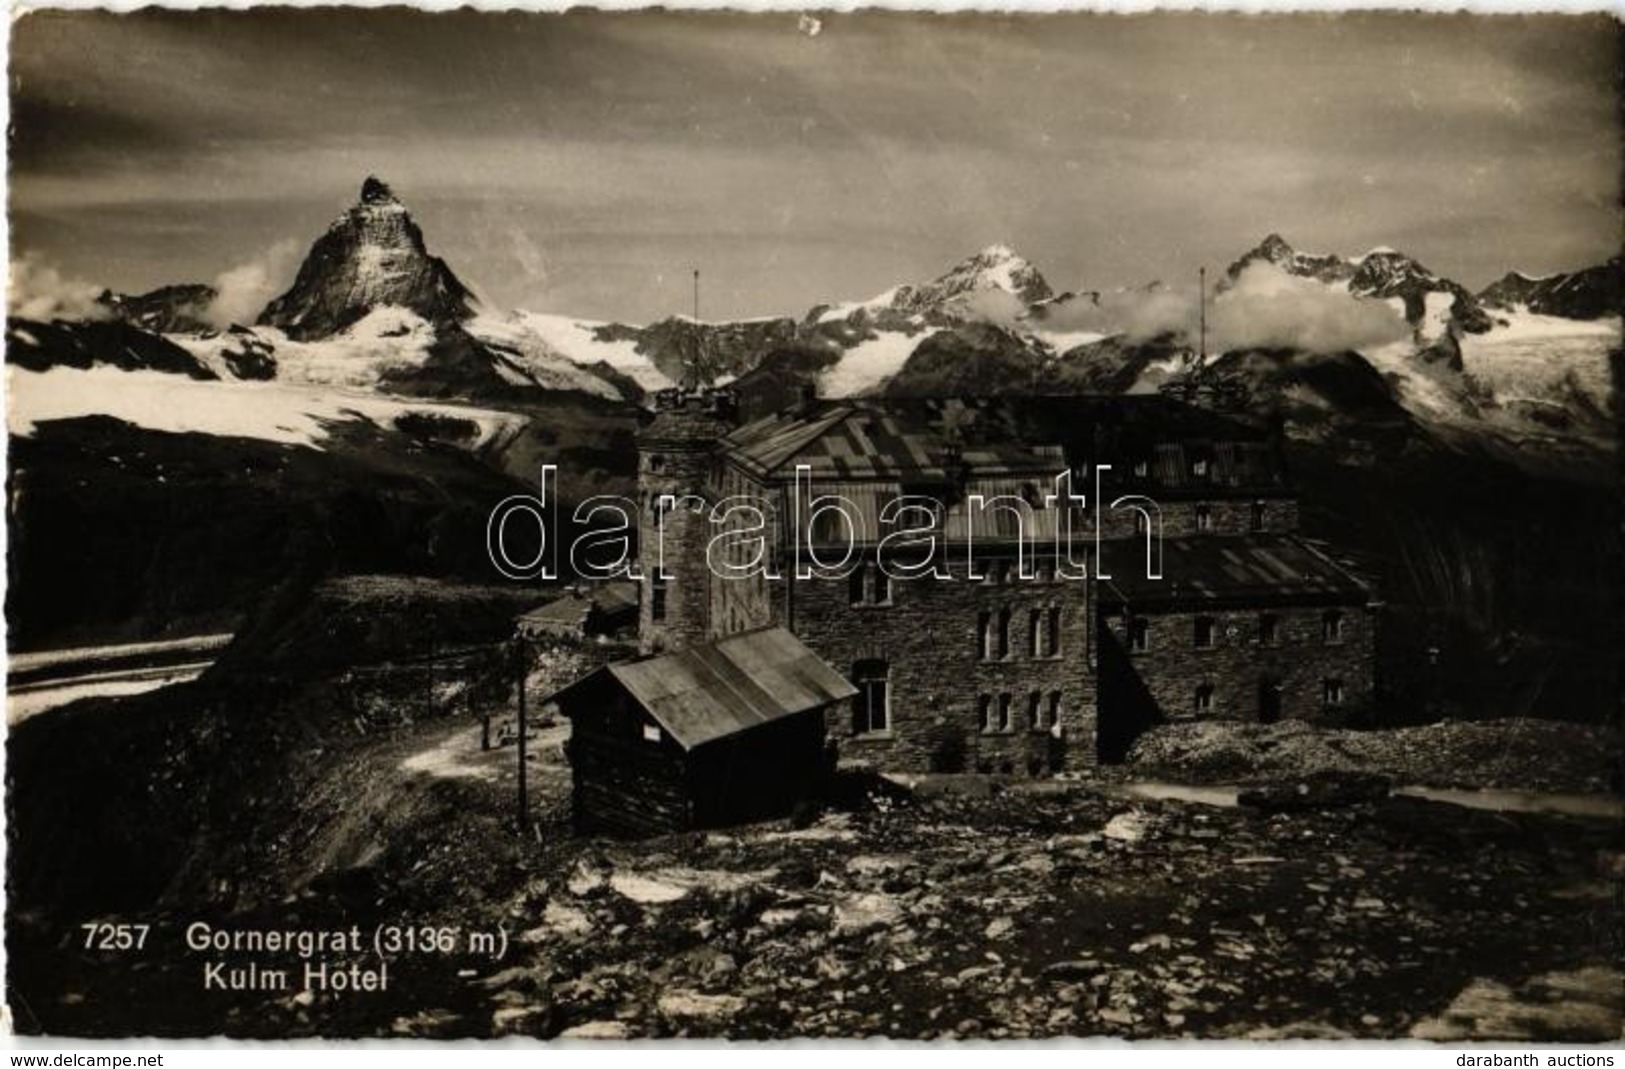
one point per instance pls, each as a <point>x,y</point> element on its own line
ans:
<point>873,441</point>
<point>908,439</point>
<point>709,692</point>
<point>1216,570</point>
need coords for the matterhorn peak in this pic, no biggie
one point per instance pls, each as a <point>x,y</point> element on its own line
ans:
<point>373,256</point>
<point>376,191</point>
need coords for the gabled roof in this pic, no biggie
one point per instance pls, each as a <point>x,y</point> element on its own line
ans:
<point>712,691</point>
<point>870,440</point>
<point>1216,571</point>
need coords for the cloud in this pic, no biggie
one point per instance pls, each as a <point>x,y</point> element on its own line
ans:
<point>1138,314</point>
<point>1268,308</point>
<point>1265,308</point>
<point>997,306</point>
<point>243,291</point>
<point>37,290</point>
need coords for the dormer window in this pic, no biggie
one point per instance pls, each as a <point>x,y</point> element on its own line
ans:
<point>1142,468</point>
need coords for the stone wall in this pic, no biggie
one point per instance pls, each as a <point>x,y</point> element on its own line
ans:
<point>1238,665</point>
<point>675,457</point>
<point>927,635</point>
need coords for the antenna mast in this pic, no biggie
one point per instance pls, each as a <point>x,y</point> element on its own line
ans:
<point>1201,285</point>
<point>696,295</point>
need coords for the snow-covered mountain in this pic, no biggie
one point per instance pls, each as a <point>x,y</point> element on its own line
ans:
<point>1590,293</point>
<point>1430,302</point>
<point>1274,249</point>
<point>372,310</point>
<point>1487,367</point>
<point>373,256</point>
<point>997,269</point>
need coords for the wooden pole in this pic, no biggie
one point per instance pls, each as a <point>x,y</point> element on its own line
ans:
<point>524,732</point>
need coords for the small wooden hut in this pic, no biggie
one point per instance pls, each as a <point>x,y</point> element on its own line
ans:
<point>720,733</point>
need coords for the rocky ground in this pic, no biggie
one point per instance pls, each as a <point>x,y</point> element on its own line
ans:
<point>1527,755</point>
<point>971,910</point>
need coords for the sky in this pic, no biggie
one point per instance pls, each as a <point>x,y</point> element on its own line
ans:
<point>588,162</point>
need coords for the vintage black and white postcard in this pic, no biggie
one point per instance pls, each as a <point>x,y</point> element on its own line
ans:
<point>809,524</point>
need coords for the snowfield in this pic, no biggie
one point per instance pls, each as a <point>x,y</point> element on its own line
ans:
<point>391,339</point>
<point>387,339</point>
<point>1535,360</point>
<point>870,364</point>
<point>292,414</point>
<point>542,336</point>
<point>1535,354</point>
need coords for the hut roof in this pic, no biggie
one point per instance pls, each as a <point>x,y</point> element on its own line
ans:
<point>711,691</point>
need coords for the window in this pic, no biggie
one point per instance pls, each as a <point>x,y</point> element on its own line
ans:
<point>984,636</point>
<point>1331,627</point>
<point>1199,467</point>
<point>1204,699</point>
<point>657,599</point>
<point>1035,633</point>
<point>995,713</point>
<point>1035,711</point>
<point>1269,630</point>
<point>1141,523</point>
<point>1204,632</point>
<point>1139,634</point>
<point>1142,468</point>
<point>882,586</point>
<point>1054,709</point>
<point>1204,518</point>
<point>1331,692</point>
<point>1003,650</point>
<point>1257,519</point>
<point>871,706</point>
<point>854,585</point>
<point>1052,624</point>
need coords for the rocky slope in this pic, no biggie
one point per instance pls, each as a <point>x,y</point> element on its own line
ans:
<point>165,310</point>
<point>37,346</point>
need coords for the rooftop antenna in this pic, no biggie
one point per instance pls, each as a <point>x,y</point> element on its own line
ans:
<point>696,295</point>
<point>1201,285</point>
